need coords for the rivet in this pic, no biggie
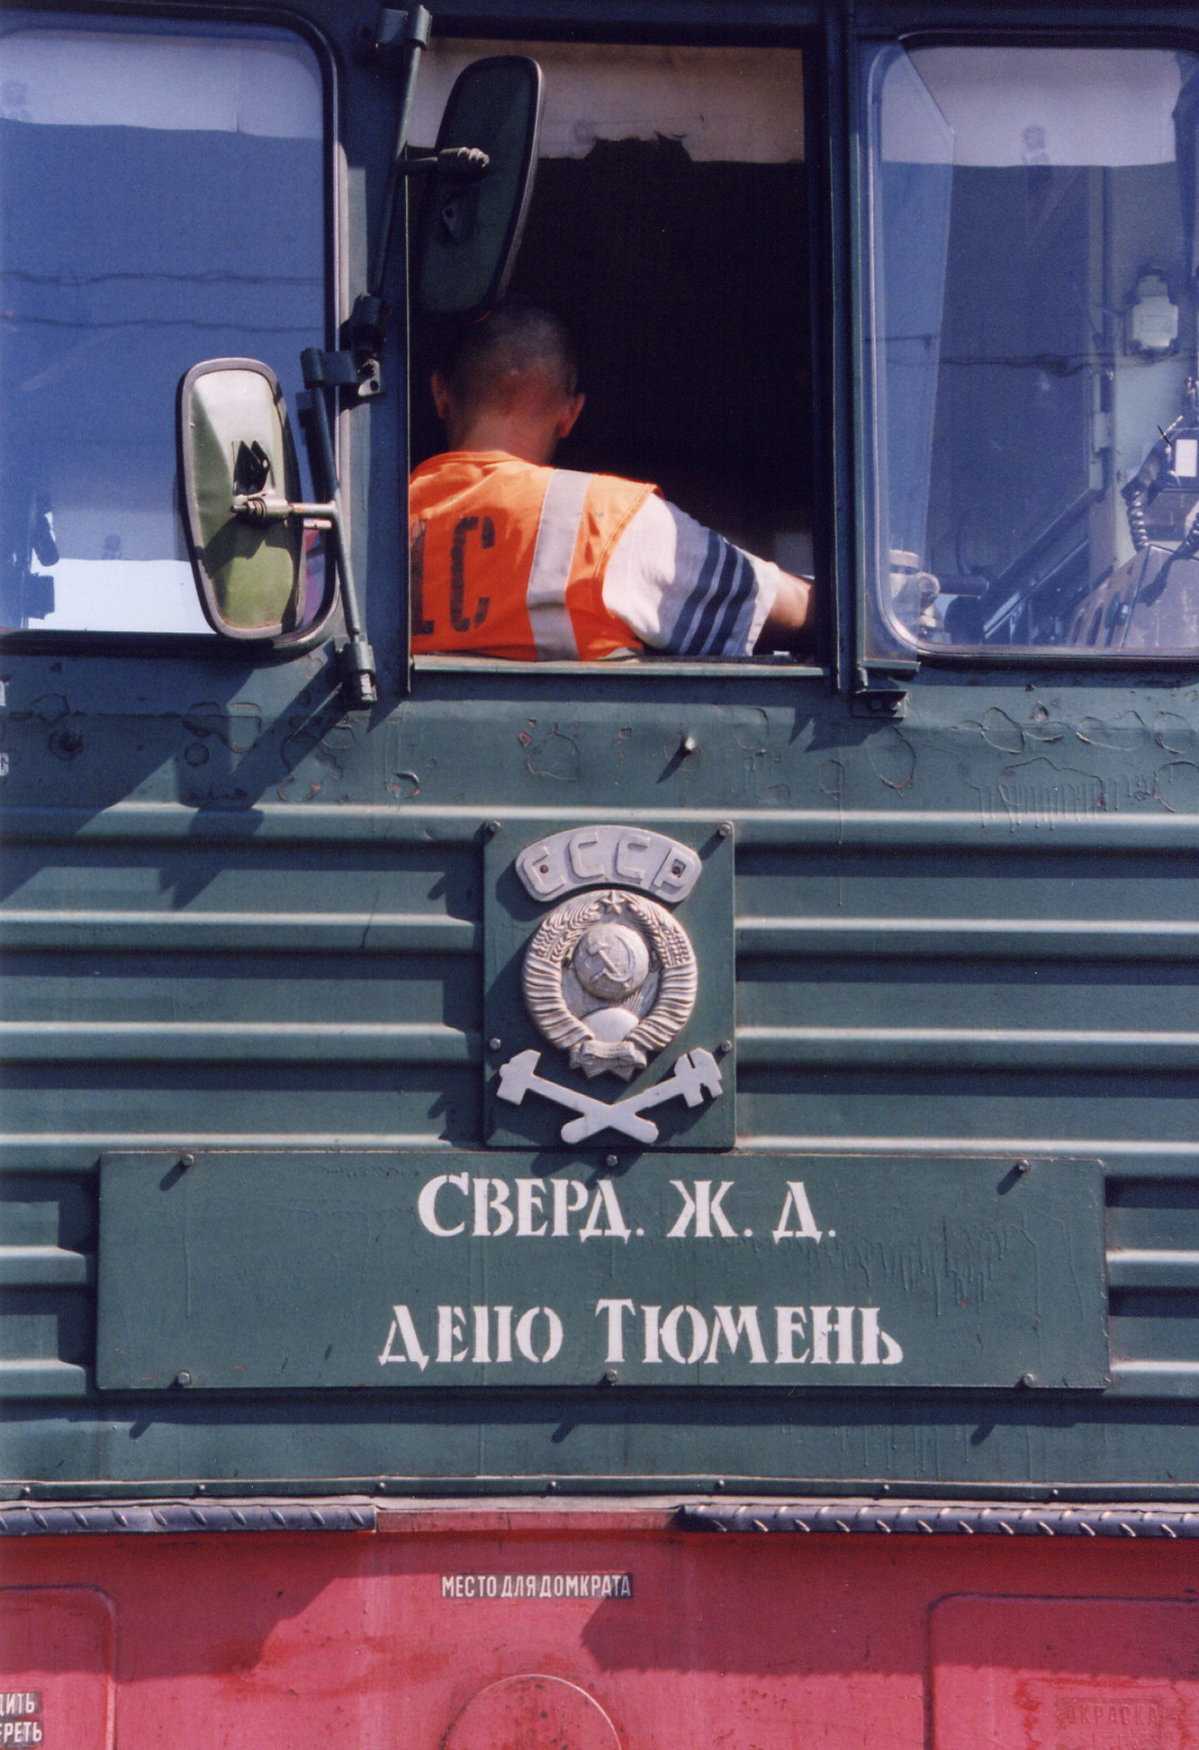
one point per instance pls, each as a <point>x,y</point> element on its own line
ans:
<point>26,1489</point>
<point>610,1376</point>
<point>495,1044</point>
<point>1023,1166</point>
<point>725,829</point>
<point>611,1161</point>
<point>201,1488</point>
<point>725,1046</point>
<point>187,1160</point>
<point>183,1377</point>
<point>552,1487</point>
<point>1028,1379</point>
<point>689,744</point>
<point>719,1483</point>
<point>491,828</point>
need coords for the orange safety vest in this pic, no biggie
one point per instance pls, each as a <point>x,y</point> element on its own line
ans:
<point>508,558</point>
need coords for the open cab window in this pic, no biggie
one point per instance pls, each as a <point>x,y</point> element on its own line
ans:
<point>1034,343</point>
<point>669,229</point>
<point>163,199</point>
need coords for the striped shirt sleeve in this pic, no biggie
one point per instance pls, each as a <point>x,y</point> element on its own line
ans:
<point>685,590</point>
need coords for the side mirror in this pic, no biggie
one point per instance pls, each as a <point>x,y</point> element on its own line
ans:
<point>235,443</point>
<point>469,228</point>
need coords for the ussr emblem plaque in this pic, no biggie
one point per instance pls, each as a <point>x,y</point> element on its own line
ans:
<point>609,986</point>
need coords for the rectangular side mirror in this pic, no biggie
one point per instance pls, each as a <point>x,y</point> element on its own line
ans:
<point>235,441</point>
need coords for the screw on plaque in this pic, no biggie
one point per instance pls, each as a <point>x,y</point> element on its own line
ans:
<point>491,827</point>
<point>725,829</point>
<point>187,1160</point>
<point>183,1377</point>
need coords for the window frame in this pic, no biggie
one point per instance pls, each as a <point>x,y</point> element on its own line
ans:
<point>211,645</point>
<point>684,23</point>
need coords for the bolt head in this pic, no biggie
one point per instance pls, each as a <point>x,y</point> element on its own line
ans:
<point>725,829</point>
<point>689,744</point>
<point>1023,1166</point>
<point>610,1376</point>
<point>183,1377</point>
<point>187,1160</point>
<point>495,1044</point>
<point>1028,1379</point>
<point>491,828</point>
<point>725,1046</point>
<point>611,1161</point>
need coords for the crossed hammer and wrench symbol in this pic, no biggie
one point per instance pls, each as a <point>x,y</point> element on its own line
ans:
<point>695,1075</point>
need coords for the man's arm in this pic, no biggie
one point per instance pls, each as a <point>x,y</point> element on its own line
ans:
<point>788,625</point>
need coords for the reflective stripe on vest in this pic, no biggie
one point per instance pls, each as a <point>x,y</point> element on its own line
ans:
<point>549,574</point>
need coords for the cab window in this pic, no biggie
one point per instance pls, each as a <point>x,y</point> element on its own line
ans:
<point>163,192</point>
<point>669,229</point>
<point>1033,339</point>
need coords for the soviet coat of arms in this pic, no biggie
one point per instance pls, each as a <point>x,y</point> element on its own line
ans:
<point>610,976</point>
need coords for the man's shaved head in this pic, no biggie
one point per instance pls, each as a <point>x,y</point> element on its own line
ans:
<point>510,383</point>
<point>515,353</point>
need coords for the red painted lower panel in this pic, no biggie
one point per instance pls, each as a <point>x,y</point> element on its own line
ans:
<point>484,1629</point>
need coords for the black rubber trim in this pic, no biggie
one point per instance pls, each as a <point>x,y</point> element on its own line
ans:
<point>934,1519</point>
<point>174,1517</point>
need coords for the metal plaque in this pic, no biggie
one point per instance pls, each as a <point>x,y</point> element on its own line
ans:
<point>447,1269</point>
<point>609,981</point>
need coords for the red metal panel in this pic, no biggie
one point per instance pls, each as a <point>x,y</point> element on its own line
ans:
<point>1074,1673</point>
<point>457,1627</point>
<point>55,1667</point>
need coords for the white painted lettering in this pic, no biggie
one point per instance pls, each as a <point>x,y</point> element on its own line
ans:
<point>670,1334</point>
<point>702,1207</point>
<point>426,1203</point>
<point>832,1322</point>
<point>796,1205</point>
<point>790,1325</point>
<point>872,1337</point>
<point>451,1330</point>
<point>605,1204</point>
<point>492,1197</point>
<point>567,1197</point>
<point>524,1334</point>
<point>614,1311</point>
<point>529,1193</point>
<point>403,1331</point>
<point>503,1335</point>
<point>652,1316</point>
<point>731,1330</point>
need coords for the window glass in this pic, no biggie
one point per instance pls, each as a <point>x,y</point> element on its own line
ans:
<point>161,202</point>
<point>1034,336</point>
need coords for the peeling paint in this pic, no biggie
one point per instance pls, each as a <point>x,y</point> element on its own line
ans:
<point>552,753</point>
<point>1042,791</point>
<point>1176,786</point>
<point>892,759</point>
<point>237,726</point>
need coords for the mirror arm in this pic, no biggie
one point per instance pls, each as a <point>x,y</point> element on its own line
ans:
<point>398,36</point>
<point>358,659</point>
